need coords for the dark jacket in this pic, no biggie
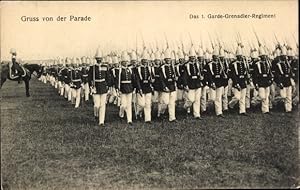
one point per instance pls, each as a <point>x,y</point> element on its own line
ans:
<point>167,77</point>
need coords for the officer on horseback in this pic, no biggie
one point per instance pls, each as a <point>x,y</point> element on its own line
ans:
<point>16,69</point>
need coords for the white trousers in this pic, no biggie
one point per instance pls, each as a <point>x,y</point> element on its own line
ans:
<point>248,96</point>
<point>203,100</point>
<point>225,98</point>
<point>76,96</point>
<point>67,89</point>
<point>239,96</point>
<point>100,106</point>
<point>155,97</point>
<point>286,94</point>
<point>144,103</point>
<point>168,99</point>
<point>264,94</point>
<point>216,96</point>
<point>194,99</point>
<point>180,93</point>
<point>272,94</point>
<point>86,90</point>
<point>126,105</point>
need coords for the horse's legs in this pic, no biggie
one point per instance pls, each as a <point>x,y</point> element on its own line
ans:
<point>2,81</point>
<point>27,87</point>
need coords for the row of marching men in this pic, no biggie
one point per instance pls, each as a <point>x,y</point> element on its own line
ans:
<point>168,76</point>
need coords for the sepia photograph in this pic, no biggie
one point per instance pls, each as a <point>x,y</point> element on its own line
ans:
<point>149,94</point>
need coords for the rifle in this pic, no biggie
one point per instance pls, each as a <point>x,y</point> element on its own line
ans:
<point>296,41</point>
<point>212,45</point>
<point>259,44</point>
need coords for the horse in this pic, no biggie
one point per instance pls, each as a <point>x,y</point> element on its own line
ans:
<point>29,69</point>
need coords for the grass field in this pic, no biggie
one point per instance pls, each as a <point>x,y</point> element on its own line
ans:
<point>47,144</point>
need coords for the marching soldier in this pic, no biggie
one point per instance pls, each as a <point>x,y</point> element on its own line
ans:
<point>85,77</point>
<point>168,82</point>
<point>125,79</point>
<point>179,70</point>
<point>60,78</point>
<point>262,79</point>
<point>144,88</point>
<point>100,81</point>
<point>157,87</point>
<point>239,82</point>
<point>203,78</point>
<point>214,74</point>
<point>192,83</point>
<point>66,78</point>
<point>76,83</point>
<point>283,76</point>
<point>114,98</point>
<point>225,77</point>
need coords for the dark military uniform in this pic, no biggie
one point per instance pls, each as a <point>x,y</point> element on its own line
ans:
<point>167,77</point>
<point>144,77</point>
<point>155,75</point>
<point>85,74</point>
<point>214,75</point>
<point>283,73</point>
<point>102,77</point>
<point>262,74</point>
<point>192,76</point>
<point>76,78</point>
<point>125,80</point>
<point>239,74</point>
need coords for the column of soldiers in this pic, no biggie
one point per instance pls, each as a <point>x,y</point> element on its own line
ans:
<point>136,81</point>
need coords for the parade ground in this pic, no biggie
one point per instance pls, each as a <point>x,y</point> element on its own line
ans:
<point>48,144</point>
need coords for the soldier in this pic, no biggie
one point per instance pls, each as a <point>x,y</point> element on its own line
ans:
<point>114,98</point>
<point>157,87</point>
<point>144,88</point>
<point>239,75</point>
<point>168,82</point>
<point>16,69</point>
<point>100,81</point>
<point>262,79</point>
<point>125,79</point>
<point>66,78</point>
<point>85,79</point>
<point>76,82</point>
<point>203,78</point>
<point>192,83</point>
<point>283,75</point>
<point>225,77</point>
<point>60,77</point>
<point>179,70</point>
<point>214,74</point>
<point>205,90</point>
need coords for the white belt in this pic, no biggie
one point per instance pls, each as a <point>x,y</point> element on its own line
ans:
<point>265,75</point>
<point>217,76</point>
<point>242,76</point>
<point>99,80</point>
<point>145,81</point>
<point>76,80</point>
<point>194,77</point>
<point>85,75</point>
<point>126,81</point>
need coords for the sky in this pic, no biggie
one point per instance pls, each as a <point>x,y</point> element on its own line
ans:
<point>125,25</point>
